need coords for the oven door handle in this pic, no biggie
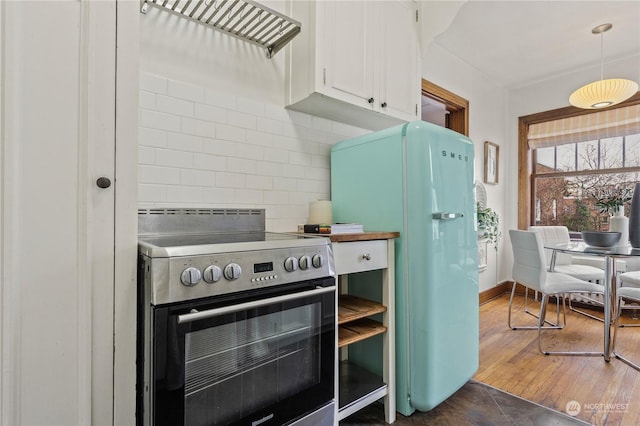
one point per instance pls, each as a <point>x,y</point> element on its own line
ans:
<point>195,316</point>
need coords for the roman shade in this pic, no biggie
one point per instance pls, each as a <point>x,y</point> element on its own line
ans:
<point>597,125</point>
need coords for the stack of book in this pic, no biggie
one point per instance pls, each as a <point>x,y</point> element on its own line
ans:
<point>333,228</point>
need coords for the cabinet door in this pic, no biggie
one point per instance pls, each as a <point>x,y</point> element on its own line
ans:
<point>59,137</point>
<point>400,78</point>
<point>348,70</point>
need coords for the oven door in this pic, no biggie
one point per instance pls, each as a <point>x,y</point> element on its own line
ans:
<point>256,359</point>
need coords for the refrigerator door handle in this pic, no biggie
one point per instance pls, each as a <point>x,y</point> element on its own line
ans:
<point>446,216</point>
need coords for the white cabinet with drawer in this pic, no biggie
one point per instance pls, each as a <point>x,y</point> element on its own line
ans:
<point>360,256</point>
<point>361,318</point>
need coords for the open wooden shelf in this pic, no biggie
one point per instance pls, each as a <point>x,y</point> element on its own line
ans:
<point>351,308</point>
<point>358,330</point>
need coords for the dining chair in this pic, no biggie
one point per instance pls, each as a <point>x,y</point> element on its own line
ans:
<point>630,293</point>
<point>565,264</point>
<point>529,269</point>
<point>630,279</point>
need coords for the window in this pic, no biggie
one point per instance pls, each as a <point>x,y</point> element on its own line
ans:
<point>567,157</point>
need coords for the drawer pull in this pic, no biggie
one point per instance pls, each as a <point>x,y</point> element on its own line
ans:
<point>366,256</point>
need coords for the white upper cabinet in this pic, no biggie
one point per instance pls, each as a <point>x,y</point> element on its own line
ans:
<point>355,62</point>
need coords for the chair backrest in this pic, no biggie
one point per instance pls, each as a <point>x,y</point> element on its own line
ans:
<point>553,235</point>
<point>529,268</point>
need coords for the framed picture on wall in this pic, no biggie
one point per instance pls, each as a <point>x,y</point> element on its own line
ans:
<point>491,162</point>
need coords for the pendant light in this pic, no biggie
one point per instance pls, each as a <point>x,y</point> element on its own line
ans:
<point>603,93</point>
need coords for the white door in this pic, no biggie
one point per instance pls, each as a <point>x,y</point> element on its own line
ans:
<point>400,79</point>
<point>58,137</point>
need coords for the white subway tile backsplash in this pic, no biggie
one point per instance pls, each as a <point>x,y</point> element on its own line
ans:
<point>301,158</point>
<point>251,152</point>
<point>268,125</point>
<point>197,177</point>
<point>184,142</point>
<point>173,158</point>
<point>276,155</point>
<point>322,124</point>
<point>276,112</point>
<point>250,106</point>
<point>203,147</point>
<point>153,83</point>
<point>293,170</point>
<point>184,194</point>
<point>317,174</point>
<point>250,196</point>
<point>211,113</point>
<point>152,193</point>
<point>241,165</point>
<point>220,147</point>
<point>277,197</point>
<point>307,186</point>
<point>159,120</point>
<point>300,118</point>
<point>192,126</point>
<point>265,168</point>
<point>186,91</point>
<point>146,155</point>
<point>230,180</point>
<point>223,100</point>
<point>260,182</point>
<point>147,100</point>
<point>285,184</point>
<point>210,162</point>
<point>219,196</point>
<point>231,133</point>
<point>322,161</point>
<point>156,174</point>
<point>245,121</point>
<point>174,106</point>
<point>259,138</point>
<point>152,137</point>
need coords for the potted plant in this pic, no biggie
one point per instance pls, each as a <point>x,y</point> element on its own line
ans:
<point>488,225</point>
<point>611,200</point>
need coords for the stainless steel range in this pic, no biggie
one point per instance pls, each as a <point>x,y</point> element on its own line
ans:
<point>236,325</point>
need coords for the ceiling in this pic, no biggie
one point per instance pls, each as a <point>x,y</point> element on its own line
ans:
<point>517,43</point>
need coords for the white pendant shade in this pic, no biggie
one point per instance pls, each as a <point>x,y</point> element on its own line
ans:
<point>603,93</point>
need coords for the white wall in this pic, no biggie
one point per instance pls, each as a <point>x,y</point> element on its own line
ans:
<point>214,131</point>
<point>487,122</point>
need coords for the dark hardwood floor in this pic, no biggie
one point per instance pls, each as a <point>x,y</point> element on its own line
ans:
<point>516,385</point>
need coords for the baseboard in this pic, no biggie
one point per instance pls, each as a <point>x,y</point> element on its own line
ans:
<point>504,287</point>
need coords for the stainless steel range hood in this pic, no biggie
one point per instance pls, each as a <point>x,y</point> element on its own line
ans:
<point>244,19</point>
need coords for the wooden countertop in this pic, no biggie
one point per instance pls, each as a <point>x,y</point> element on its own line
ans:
<point>360,236</point>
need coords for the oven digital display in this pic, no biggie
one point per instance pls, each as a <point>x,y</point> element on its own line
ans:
<point>262,267</point>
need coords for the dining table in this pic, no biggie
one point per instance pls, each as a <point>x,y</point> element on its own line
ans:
<point>610,254</point>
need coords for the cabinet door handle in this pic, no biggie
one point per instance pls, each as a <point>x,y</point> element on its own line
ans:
<point>366,256</point>
<point>370,100</point>
<point>383,105</point>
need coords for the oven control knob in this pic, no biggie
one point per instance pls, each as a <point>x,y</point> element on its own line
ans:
<point>305,262</point>
<point>318,261</point>
<point>232,271</point>
<point>212,274</point>
<point>290,264</point>
<point>190,276</point>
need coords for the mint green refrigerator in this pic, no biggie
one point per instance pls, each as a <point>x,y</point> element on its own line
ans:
<point>418,179</point>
